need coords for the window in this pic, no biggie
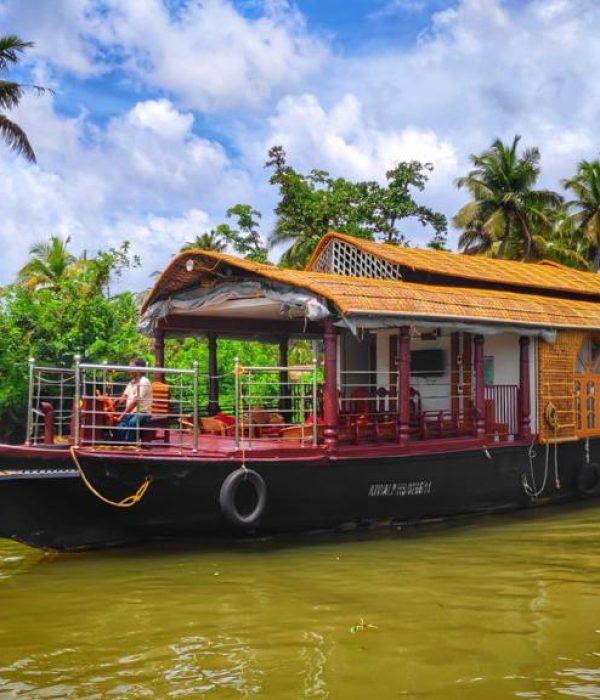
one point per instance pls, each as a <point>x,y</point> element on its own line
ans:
<point>488,370</point>
<point>586,386</point>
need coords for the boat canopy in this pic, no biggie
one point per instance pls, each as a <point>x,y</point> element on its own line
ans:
<point>209,284</point>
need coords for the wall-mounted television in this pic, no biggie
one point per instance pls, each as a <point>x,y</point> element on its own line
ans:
<point>427,363</point>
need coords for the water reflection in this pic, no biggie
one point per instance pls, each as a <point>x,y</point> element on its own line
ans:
<point>490,609</point>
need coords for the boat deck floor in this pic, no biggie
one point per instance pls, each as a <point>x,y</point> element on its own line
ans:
<point>217,447</point>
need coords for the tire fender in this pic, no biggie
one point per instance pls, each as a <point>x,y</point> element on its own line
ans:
<point>588,479</point>
<point>229,489</point>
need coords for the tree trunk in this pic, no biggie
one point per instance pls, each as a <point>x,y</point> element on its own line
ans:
<point>596,262</point>
<point>525,232</point>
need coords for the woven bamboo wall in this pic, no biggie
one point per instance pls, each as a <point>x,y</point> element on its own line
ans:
<point>556,367</point>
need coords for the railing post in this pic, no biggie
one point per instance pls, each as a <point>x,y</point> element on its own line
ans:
<point>403,385</point>
<point>314,403</point>
<point>479,387</point>
<point>524,389</point>
<point>330,399</point>
<point>236,399</point>
<point>77,400</point>
<point>195,409</point>
<point>29,435</point>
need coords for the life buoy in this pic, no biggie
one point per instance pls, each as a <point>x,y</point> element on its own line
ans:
<point>588,479</point>
<point>228,493</point>
<point>551,415</point>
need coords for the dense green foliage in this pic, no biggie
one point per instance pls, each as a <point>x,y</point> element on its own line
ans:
<point>52,325</point>
<point>310,205</point>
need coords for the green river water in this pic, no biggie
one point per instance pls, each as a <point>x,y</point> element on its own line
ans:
<point>502,607</point>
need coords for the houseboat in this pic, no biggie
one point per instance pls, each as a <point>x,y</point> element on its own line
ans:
<point>439,384</point>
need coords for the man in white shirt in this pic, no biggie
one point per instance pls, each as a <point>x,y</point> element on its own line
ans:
<point>137,398</point>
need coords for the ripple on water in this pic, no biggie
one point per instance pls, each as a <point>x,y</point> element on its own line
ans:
<point>489,609</point>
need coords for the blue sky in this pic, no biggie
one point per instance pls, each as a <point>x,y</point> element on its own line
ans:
<point>164,109</point>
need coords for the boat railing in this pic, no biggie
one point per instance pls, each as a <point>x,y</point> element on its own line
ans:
<point>50,403</point>
<point>277,403</point>
<point>78,406</point>
<point>438,407</point>
<point>172,418</point>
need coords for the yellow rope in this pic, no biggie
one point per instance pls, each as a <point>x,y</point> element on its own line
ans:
<point>126,502</point>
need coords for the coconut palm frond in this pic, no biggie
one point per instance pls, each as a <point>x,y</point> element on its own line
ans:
<point>16,138</point>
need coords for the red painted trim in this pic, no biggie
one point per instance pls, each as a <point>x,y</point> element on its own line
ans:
<point>479,387</point>
<point>213,371</point>
<point>62,458</point>
<point>454,374</point>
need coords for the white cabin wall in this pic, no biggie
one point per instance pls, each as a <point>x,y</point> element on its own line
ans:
<point>435,391</point>
<point>504,348</point>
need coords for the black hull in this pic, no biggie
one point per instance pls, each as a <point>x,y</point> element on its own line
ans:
<point>44,502</point>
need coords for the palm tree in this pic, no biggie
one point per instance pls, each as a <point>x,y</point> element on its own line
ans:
<point>11,49</point>
<point>565,244</point>
<point>50,264</point>
<point>585,216</point>
<point>207,241</point>
<point>505,208</point>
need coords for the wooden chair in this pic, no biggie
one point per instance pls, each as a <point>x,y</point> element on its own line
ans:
<point>160,420</point>
<point>300,433</point>
<point>213,426</point>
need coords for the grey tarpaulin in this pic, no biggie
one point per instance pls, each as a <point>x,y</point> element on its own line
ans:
<point>354,322</point>
<point>293,302</point>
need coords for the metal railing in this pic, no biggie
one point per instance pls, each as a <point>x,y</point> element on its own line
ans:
<point>80,406</point>
<point>276,403</point>
<point>50,402</point>
<point>502,411</point>
<point>173,413</point>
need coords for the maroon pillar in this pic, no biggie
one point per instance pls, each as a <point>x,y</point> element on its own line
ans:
<point>330,398</point>
<point>284,379</point>
<point>479,387</point>
<point>213,379</point>
<point>524,390</point>
<point>454,376</point>
<point>403,384</point>
<point>159,351</point>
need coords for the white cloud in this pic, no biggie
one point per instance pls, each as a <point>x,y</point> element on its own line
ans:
<point>63,31</point>
<point>485,69</point>
<point>208,55</point>
<point>346,141</point>
<point>145,177</point>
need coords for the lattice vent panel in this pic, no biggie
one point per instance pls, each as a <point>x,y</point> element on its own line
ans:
<point>342,258</point>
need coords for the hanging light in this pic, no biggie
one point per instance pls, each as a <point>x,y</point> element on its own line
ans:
<point>189,264</point>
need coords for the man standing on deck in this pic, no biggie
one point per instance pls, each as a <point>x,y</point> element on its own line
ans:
<point>137,398</point>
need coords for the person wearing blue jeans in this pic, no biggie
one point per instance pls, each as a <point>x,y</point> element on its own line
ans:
<point>137,398</point>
